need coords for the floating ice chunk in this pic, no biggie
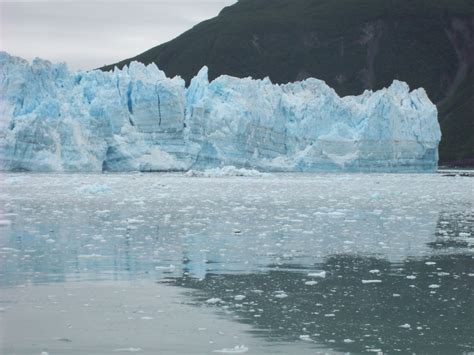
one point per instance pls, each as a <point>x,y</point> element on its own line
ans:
<point>194,173</point>
<point>5,222</point>
<point>375,196</point>
<point>433,286</point>
<point>135,221</point>
<point>214,300</point>
<point>321,274</point>
<point>374,271</point>
<point>305,337</point>
<point>94,189</point>
<point>239,349</point>
<point>406,326</point>
<point>239,297</point>
<point>169,267</point>
<point>129,350</point>
<point>371,281</point>
<point>10,249</point>
<point>336,214</point>
<point>14,179</point>
<point>225,171</point>
<point>102,212</point>
<point>311,283</point>
<point>280,294</point>
<point>89,256</point>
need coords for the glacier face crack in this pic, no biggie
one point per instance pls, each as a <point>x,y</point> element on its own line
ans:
<point>138,119</point>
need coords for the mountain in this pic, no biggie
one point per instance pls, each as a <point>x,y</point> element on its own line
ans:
<point>353,45</point>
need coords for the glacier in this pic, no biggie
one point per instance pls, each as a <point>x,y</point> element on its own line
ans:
<point>137,119</point>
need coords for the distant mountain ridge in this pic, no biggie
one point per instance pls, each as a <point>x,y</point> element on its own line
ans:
<point>351,44</point>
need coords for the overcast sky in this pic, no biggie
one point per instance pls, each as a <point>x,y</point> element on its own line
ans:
<point>89,34</point>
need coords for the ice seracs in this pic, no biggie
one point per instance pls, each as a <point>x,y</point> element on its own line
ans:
<point>138,119</point>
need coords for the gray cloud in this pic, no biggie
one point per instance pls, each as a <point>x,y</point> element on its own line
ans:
<point>89,34</point>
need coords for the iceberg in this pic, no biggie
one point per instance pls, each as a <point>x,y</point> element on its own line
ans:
<point>226,171</point>
<point>137,119</point>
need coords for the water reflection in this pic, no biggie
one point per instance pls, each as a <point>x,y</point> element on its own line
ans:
<point>347,302</point>
<point>454,230</point>
<point>354,263</point>
<point>362,303</point>
<point>357,303</point>
<point>97,250</point>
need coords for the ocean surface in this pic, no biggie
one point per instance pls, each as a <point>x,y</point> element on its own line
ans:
<point>270,264</point>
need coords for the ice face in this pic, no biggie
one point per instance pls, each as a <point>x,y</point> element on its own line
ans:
<point>138,119</point>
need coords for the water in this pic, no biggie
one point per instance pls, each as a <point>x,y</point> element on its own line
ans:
<point>284,263</point>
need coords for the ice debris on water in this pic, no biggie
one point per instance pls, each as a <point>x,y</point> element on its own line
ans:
<point>214,300</point>
<point>5,222</point>
<point>280,294</point>
<point>225,171</point>
<point>371,281</point>
<point>137,119</point>
<point>94,189</point>
<point>321,274</point>
<point>239,349</point>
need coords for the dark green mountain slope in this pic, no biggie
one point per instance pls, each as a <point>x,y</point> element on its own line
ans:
<point>351,44</point>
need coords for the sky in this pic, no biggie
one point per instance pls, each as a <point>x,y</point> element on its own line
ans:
<point>88,34</point>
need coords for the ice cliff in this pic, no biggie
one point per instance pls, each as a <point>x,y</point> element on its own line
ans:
<point>138,119</point>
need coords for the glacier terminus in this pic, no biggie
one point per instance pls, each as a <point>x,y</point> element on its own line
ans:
<point>137,119</point>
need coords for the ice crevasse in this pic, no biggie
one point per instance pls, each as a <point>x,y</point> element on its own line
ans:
<point>139,119</point>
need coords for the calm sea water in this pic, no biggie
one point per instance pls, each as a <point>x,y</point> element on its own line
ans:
<point>282,263</point>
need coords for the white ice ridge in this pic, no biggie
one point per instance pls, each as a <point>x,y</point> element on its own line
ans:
<point>138,119</point>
